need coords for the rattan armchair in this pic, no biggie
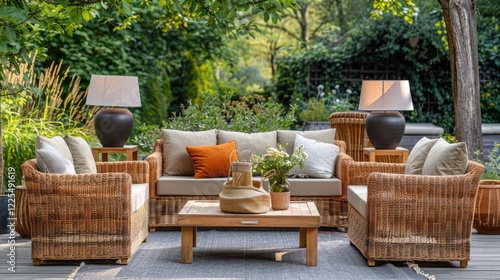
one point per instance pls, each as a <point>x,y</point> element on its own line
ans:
<point>350,128</point>
<point>412,217</point>
<point>87,216</point>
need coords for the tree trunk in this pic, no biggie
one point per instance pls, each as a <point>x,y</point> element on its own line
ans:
<point>460,19</point>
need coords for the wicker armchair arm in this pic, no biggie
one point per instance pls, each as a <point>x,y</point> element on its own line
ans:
<point>138,170</point>
<point>155,161</point>
<point>358,171</point>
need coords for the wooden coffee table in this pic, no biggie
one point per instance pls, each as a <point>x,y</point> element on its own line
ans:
<point>206,213</point>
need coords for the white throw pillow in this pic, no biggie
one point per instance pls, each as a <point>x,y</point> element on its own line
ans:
<point>58,143</point>
<point>49,160</point>
<point>287,137</point>
<point>83,159</point>
<point>321,157</point>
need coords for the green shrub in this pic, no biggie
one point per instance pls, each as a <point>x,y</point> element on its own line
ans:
<point>492,165</point>
<point>247,114</point>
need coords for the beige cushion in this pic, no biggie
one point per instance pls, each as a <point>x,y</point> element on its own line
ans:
<point>140,195</point>
<point>417,156</point>
<point>288,137</point>
<point>255,142</point>
<point>176,160</point>
<point>315,186</point>
<point>188,185</point>
<point>357,196</point>
<point>184,185</point>
<point>58,143</point>
<point>446,159</point>
<point>83,159</point>
<point>50,160</point>
<point>321,158</point>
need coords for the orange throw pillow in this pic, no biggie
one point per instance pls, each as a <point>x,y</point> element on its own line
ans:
<point>212,160</point>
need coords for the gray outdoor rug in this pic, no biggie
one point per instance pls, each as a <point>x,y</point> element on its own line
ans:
<point>246,254</point>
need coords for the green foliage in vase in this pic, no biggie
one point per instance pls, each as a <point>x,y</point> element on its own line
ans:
<point>281,162</point>
<point>492,165</point>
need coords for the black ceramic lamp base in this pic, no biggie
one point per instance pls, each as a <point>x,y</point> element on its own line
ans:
<point>113,126</point>
<point>385,129</point>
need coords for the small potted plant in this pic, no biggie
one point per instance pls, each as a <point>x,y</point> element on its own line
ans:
<point>486,216</point>
<point>281,162</point>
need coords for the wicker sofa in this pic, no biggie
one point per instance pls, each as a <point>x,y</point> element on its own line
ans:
<point>169,193</point>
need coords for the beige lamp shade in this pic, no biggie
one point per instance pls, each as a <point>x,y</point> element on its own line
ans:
<point>386,95</point>
<point>116,91</point>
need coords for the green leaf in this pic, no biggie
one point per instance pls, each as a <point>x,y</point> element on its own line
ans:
<point>12,14</point>
<point>127,8</point>
<point>177,6</point>
<point>75,15</point>
<point>11,34</point>
<point>87,16</point>
<point>255,10</point>
<point>266,16</point>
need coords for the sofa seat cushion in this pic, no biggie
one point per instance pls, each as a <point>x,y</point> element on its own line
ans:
<point>186,185</point>
<point>357,197</point>
<point>140,195</point>
<point>315,186</point>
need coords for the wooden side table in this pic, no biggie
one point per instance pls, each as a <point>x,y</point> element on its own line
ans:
<point>371,154</point>
<point>129,150</point>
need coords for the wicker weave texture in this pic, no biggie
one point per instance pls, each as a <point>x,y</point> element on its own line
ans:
<point>487,214</point>
<point>415,217</point>
<point>85,216</point>
<point>350,128</point>
<point>164,209</point>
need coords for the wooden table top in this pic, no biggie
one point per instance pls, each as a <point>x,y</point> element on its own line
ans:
<point>207,213</point>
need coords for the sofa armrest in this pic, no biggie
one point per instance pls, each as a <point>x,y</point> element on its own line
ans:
<point>155,161</point>
<point>358,171</point>
<point>138,170</point>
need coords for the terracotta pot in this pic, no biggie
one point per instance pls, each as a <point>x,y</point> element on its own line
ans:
<point>487,214</point>
<point>280,200</point>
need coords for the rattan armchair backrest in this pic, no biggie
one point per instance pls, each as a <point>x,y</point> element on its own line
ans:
<point>350,128</point>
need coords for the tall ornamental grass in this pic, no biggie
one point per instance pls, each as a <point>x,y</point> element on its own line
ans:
<point>40,104</point>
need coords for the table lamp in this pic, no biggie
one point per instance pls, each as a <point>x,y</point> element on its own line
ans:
<point>385,125</point>
<point>113,125</point>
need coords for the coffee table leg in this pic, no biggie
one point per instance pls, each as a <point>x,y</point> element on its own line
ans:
<point>311,246</point>
<point>302,237</point>
<point>195,229</point>
<point>187,238</point>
